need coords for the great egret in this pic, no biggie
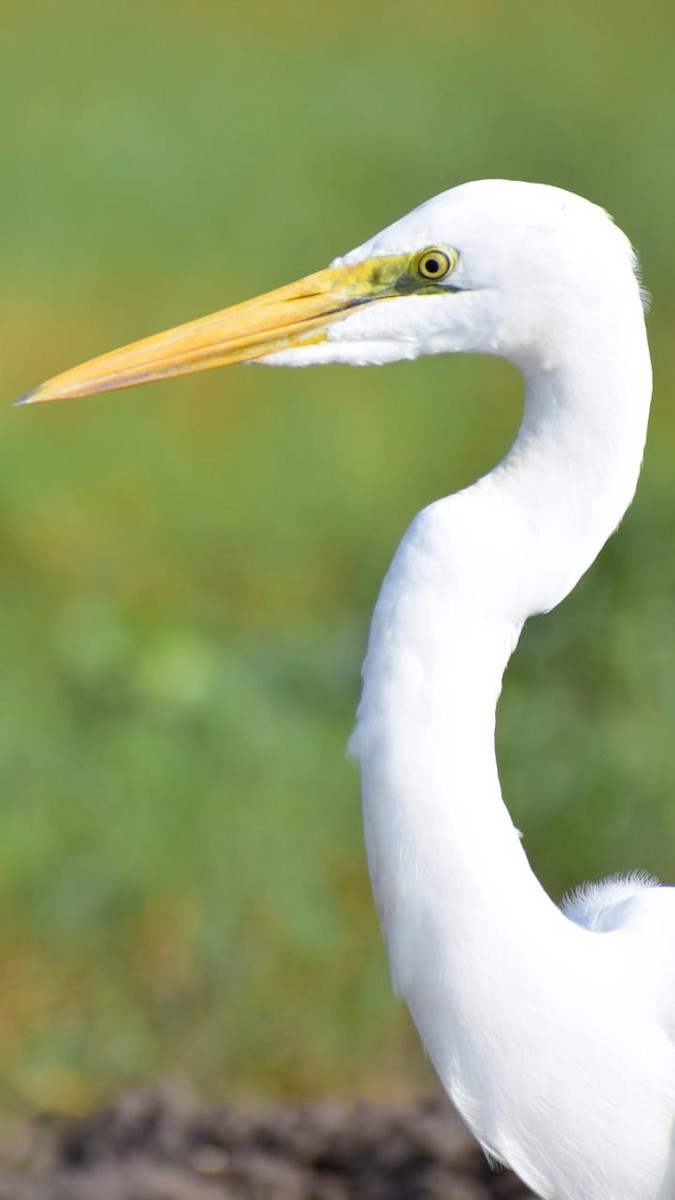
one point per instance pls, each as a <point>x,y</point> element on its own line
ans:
<point>552,1030</point>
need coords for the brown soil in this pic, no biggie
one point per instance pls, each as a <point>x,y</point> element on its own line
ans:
<point>161,1145</point>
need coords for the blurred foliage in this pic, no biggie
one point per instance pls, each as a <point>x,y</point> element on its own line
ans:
<point>187,572</point>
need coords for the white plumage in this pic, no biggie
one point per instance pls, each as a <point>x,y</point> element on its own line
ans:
<point>552,1030</point>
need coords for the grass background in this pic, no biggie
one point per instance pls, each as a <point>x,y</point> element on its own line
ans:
<point>187,571</point>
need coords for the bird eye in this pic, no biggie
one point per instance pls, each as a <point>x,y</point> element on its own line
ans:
<point>435,263</point>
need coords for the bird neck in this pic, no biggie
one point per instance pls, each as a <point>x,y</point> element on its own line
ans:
<point>451,881</point>
<point>572,470</point>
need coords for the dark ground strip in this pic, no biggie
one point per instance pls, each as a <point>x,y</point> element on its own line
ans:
<point>162,1145</point>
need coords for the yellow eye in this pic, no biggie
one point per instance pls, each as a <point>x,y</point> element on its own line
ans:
<point>435,264</point>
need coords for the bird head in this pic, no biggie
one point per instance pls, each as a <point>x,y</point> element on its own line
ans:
<point>491,267</point>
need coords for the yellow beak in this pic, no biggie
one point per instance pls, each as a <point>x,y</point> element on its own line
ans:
<point>296,315</point>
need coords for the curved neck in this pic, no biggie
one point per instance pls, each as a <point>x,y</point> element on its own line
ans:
<point>451,881</point>
<point>572,470</point>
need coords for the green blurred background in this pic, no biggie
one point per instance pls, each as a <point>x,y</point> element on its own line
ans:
<point>187,571</point>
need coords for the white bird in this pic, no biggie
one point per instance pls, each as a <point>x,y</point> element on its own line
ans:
<point>553,1030</point>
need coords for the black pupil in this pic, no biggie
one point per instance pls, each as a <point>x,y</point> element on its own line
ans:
<point>432,266</point>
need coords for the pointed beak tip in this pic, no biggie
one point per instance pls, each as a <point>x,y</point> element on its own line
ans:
<point>27,398</point>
